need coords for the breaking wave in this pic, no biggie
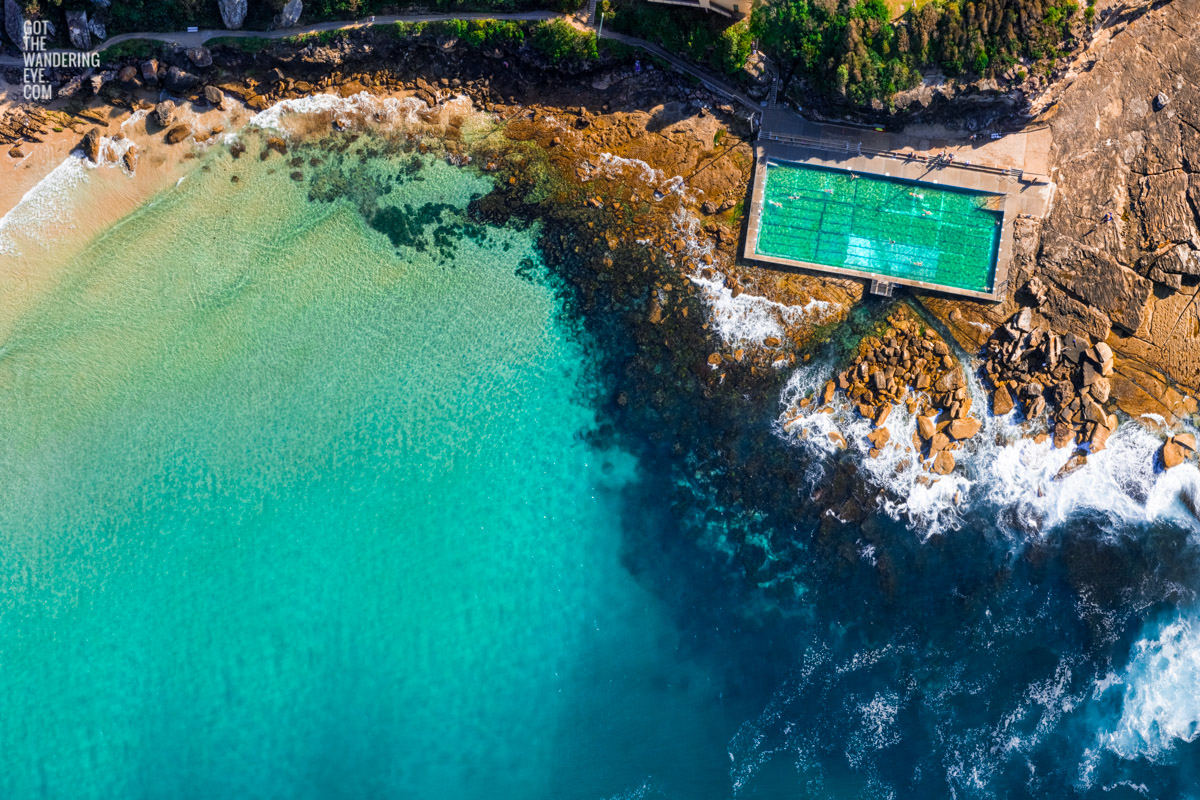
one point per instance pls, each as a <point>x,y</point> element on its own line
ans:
<point>348,112</point>
<point>43,212</point>
<point>1003,467</point>
<point>1159,692</point>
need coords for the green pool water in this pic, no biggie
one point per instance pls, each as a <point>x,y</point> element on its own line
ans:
<point>902,229</point>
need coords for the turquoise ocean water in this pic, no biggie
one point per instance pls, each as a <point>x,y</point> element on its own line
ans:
<point>289,511</point>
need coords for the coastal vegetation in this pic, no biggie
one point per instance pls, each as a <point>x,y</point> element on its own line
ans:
<point>705,38</point>
<point>862,52</point>
<point>854,51</point>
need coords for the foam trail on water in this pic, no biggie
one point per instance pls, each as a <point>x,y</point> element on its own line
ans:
<point>747,319</point>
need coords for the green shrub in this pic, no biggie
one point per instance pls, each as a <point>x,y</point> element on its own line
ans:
<point>558,40</point>
<point>733,48</point>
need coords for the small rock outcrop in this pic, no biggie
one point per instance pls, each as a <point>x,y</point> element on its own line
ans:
<point>14,23</point>
<point>1045,370</point>
<point>1177,449</point>
<point>909,364</point>
<point>233,13</point>
<point>91,145</point>
<point>290,14</point>
<point>214,96</point>
<point>77,29</point>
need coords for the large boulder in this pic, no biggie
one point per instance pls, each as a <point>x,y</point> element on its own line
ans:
<point>233,13</point>
<point>179,80</point>
<point>77,29</point>
<point>290,14</point>
<point>214,96</point>
<point>14,23</point>
<point>200,56</point>
<point>97,28</point>
<point>150,71</point>
<point>128,76</point>
<point>1172,454</point>
<point>965,428</point>
<point>943,462</point>
<point>1002,401</point>
<point>178,133</point>
<point>164,113</point>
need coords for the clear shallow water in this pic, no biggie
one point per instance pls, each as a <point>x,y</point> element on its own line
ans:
<point>288,511</point>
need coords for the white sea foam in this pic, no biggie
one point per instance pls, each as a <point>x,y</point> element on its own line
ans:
<point>1001,467</point>
<point>611,166</point>
<point>348,111</point>
<point>750,319</point>
<point>134,118</point>
<point>931,504</point>
<point>50,203</point>
<point>1160,703</point>
<point>747,319</point>
<point>877,728</point>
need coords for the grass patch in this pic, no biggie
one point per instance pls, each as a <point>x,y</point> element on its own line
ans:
<point>137,48</point>
<point>247,44</point>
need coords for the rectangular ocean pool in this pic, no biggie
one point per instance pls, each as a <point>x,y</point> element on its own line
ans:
<point>911,230</point>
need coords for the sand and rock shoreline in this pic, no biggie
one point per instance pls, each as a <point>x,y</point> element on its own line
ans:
<point>632,153</point>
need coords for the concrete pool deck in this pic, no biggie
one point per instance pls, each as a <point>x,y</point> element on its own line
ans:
<point>888,156</point>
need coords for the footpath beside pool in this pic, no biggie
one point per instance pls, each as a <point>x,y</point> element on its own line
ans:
<point>886,216</point>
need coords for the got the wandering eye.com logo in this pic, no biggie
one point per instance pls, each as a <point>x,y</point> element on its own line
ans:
<point>38,59</point>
